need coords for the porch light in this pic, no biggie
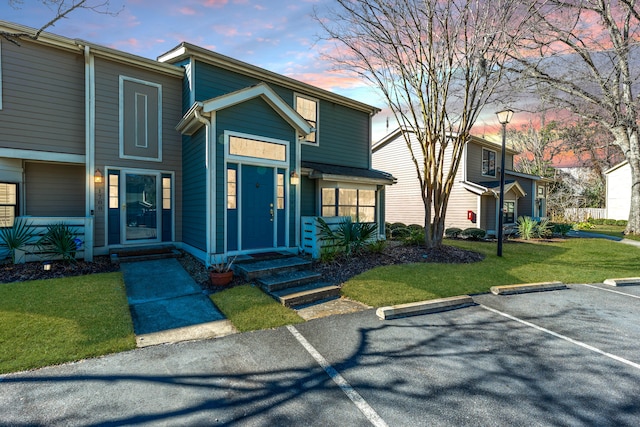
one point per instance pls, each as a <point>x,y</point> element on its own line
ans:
<point>98,177</point>
<point>46,266</point>
<point>294,178</point>
<point>504,117</point>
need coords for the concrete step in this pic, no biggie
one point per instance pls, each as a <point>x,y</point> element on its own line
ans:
<point>259,269</point>
<point>144,253</point>
<point>287,279</point>
<point>309,293</point>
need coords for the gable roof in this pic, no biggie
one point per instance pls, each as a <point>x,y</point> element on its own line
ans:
<point>191,121</point>
<point>185,51</point>
<point>616,167</point>
<point>397,133</point>
<point>492,188</point>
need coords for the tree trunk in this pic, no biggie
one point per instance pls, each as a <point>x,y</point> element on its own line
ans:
<point>633,226</point>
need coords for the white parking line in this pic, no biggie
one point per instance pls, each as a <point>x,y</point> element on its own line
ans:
<point>563,337</point>
<point>611,290</point>
<point>355,397</point>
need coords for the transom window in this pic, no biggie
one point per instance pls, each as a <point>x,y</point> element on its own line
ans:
<point>488,162</point>
<point>308,109</point>
<point>247,147</point>
<point>8,203</point>
<point>360,205</point>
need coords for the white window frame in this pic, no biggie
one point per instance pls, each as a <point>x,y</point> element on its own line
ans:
<point>349,186</point>
<point>495,161</point>
<point>158,86</point>
<point>317,126</point>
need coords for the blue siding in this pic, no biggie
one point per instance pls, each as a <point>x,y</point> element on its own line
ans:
<point>343,137</point>
<point>308,197</point>
<point>194,200</point>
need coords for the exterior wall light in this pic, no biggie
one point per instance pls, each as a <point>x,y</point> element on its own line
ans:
<point>98,178</point>
<point>294,178</point>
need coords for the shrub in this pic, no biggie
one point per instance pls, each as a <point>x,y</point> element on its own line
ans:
<point>609,222</point>
<point>596,221</point>
<point>561,229</point>
<point>543,229</point>
<point>60,241</point>
<point>16,237</point>
<point>415,236</point>
<point>473,233</point>
<point>377,247</point>
<point>350,236</point>
<point>622,222</point>
<point>526,227</point>
<point>583,226</point>
<point>453,232</point>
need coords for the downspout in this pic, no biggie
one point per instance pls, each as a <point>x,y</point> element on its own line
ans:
<point>211,183</point>
<point>90,136</point>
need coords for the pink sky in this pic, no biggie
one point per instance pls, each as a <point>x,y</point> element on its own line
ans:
<point>278,35</point>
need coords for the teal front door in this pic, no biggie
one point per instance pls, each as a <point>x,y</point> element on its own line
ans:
<point>257,208</point>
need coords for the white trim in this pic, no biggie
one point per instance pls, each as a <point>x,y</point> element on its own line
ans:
<point>121,81</point>
<point>303,140</point>
<point>90,142</point>
<point>145,105</point>
<point>46,156</point>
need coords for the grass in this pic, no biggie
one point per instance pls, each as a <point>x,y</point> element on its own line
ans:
<point>47,322</point>
<point>611,230</point>
<point>570,261</point>
<point>250,309</point>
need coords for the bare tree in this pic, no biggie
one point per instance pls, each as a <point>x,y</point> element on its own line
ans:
<point>61,9</point>
<point>538,146</point>
<point>437,64</point>
<point>584,54</point>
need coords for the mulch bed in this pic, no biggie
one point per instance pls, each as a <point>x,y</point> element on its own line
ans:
<point>336,271</point>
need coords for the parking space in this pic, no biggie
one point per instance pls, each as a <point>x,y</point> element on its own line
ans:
<point>565,357</point>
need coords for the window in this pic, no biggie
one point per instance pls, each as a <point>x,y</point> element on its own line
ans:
<point>308,109</point>
<point>8,203</point>
<point>246,147</point>
<point>166,193</point>
<point>280,191</point>
<point>232,195</point>
<point>488,162</point>
<point>113,191</point>
<point>509,213</point>
<point>360,205</point>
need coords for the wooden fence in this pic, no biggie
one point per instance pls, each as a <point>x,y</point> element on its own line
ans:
<point>81,227</point>
<point>583,214</point>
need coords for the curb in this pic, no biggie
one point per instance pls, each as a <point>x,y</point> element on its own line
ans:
<point>623,281</point>
<point>201,331</point>
<point>527,287</point>
<point>424,307</point>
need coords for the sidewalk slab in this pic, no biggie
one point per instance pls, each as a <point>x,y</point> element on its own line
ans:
<point>527,287</point>
<point>424,307</point>
<point>148,281</point>
<point>627,281</point>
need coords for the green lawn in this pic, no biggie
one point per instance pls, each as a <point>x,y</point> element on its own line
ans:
<point>250,309</point>
<point>570,261</point>
<point>611,230</point>
<point>47,322</point>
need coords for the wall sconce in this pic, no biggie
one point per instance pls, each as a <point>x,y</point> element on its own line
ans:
<point>46,266</point>
<point>294,178</point>
<point>98,177</point>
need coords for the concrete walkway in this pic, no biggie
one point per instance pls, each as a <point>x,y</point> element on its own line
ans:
<point>590,235</point>
<point>167,305</point>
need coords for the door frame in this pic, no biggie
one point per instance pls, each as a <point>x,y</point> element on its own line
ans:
<point>274,165</point>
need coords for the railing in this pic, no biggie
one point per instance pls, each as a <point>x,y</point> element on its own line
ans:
<point>81,227</point>
<point>582,214</point>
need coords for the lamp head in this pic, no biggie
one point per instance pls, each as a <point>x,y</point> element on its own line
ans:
<point>504,116</point>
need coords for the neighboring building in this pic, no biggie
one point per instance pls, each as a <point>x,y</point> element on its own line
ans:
<point>474,198</point>
<point>196,149</point>
<point>618,191</point>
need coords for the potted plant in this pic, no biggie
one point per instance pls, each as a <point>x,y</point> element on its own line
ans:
<point>220,272</point>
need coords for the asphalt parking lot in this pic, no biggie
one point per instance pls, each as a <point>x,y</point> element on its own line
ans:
<point>568,357</point>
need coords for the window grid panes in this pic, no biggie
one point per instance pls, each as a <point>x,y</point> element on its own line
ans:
<point>166,193</point>
<point>509,212</point>
<point>8,203</point>
<point>232,195</point>
<point>258,149</point>
<point>113,191</point>
<point>280,191</point>
<point>488,162</point>
<point>308,109</point>
<point>360,205</point>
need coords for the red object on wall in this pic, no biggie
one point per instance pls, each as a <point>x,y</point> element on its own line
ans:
<point>471,216</point>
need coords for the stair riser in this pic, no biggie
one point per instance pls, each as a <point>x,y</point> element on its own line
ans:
<point>309,298</point>
<point>273,287</point>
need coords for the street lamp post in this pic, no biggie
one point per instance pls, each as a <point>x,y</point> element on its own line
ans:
<point>504,117</point>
